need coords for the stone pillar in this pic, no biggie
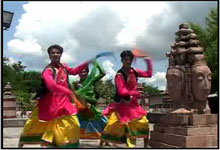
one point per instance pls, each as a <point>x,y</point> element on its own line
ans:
<point>9,103</point>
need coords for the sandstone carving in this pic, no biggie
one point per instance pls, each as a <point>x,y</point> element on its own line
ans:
<point>188,76</point>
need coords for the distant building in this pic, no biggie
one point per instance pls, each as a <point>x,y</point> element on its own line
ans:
<point>160,103</point>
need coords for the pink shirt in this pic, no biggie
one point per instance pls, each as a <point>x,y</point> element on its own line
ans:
<point>128,111</point>
<point>57,102</point>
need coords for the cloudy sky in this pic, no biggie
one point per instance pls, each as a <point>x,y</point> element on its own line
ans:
<point>86,28</point>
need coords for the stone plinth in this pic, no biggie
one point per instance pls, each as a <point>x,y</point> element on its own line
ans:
<point>14,122</point>
<point>184,131</point>
<point>9,103</point>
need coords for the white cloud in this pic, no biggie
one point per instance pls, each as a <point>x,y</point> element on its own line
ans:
<point>11,61</point>
<point>163,88</point>
<point>74,78</point>
<point>157,80</point>
<point>25,47</point>
<point>110,72</point>
<point>157,77</point>
<point>86,28</point>
<point>80,27</point>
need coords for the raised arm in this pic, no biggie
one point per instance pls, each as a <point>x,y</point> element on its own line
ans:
<point>51,85</point>
<point>122,89</point>
<point>148,73</point>
<point>76,70</point>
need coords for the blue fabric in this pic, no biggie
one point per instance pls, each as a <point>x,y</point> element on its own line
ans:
<point>105,54</point>
<point>91,126</point>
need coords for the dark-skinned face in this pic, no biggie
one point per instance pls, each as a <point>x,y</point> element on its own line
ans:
<point>55,55</point>
<point>83,74</point>
<point>127,61</point>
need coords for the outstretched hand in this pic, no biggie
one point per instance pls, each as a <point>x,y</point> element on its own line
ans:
<point>140,54</point>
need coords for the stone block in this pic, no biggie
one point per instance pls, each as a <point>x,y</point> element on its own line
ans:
<point>212,119</point>
<point>174,139</point>
<point>9,114</point>
<point>203,119</point>
<point>156,136</point>
<point>198,131</point>
<point>9,104</point>
<point>188,131</point>
<point>212,140</point>
<point>198,141</point>
<point>213,129</point>
<point>176,119</point>
<point>159,127</point>
<point>15,122</point>
<point>175,130</point>
<point>155,117</point>
<point>195,141</point>
<point>157,144</point>
<point>197,119</point>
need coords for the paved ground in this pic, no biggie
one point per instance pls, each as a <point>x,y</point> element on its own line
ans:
<point>11,137</point>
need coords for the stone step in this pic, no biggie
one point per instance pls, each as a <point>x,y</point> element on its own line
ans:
<point>14,122</point>
<point>195,141</point>
<point>187,130</point>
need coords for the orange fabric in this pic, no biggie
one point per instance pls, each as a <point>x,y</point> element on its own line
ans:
<point>79,105</point>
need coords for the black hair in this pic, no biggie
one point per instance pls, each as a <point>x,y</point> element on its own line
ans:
<point>55,46</point>
<point>127,53</point>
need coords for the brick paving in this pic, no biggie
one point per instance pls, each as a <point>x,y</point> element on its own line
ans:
<point>11,138</point>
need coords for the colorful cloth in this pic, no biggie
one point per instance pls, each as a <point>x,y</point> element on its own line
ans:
<point>127,113</point>
<point>92,122</point>
<point>117,132</point>
<point>54,120</point>
<point>57,132</point>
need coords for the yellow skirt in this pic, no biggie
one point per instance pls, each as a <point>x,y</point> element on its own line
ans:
<point>59,132</point>
<point>117,132</point>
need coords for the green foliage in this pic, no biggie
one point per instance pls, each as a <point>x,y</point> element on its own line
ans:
<point>32,80</point>
<point>106,90</point>
<point>8,74</point>
<point>208,38</point>
<point>22,82</point>
<point>24,100</point>
<point>151,90</point>
<point>18,67</point>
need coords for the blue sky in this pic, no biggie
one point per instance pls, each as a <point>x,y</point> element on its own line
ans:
<point>16,8</point>
<point>87,28</point>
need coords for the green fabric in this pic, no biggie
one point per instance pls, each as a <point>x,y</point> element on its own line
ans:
<point>97,113</point>
<point>87,89</point>
<point>136,133</point>
<point>68,145</point>
<point>113,138</point>
<point>122,139</point>
<point>72,145</point>
<point>31,139</point>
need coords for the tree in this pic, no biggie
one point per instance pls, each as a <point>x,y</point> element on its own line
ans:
<point>19,67</point>
<point>5,60</point>
<point>208,38</point>
<point>151,90</point>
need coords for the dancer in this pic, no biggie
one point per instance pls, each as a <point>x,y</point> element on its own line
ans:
<point>92,122</point>
<point>127,119</point>
<point>53,122</point>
